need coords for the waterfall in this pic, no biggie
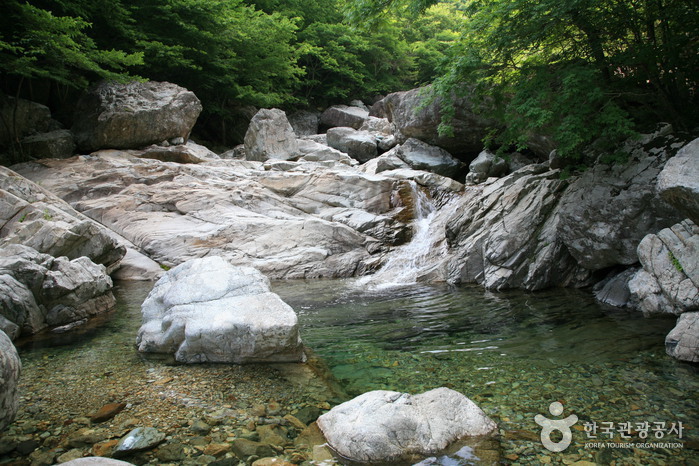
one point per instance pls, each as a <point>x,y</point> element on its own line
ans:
<point>415,259</point>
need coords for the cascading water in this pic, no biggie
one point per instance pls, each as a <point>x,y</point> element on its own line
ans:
<point>415,259</point>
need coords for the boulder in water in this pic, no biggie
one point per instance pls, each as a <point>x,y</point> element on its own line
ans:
<point>207,310</point>
<point>39,290</point>
<point>10,369</point>
<point>683,341</point>
<point>382,426</point>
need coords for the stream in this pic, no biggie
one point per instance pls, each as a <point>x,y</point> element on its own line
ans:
<point>512,353</point>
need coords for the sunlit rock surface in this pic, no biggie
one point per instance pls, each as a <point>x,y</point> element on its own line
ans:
<point>382,425</point>
<point>207,310</point>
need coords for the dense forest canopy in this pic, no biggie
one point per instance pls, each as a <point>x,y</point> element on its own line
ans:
<point>580,72</point>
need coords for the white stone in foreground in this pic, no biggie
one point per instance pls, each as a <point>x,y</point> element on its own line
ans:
<point>207,310</point>
<point>391,426</point>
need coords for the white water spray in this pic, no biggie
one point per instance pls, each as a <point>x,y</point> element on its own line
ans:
<point>413,260</point>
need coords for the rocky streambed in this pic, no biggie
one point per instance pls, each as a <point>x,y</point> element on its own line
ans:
<point>510,353</point>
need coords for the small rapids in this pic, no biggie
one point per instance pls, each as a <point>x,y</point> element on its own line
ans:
<point>419,258</point>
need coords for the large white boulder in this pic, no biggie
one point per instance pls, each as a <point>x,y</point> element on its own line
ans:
<point>207,310</point>
<point>381,426</point>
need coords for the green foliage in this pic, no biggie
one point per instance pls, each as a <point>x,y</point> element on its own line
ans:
<point>675,262</point>
<point>222,50</point>
<point>585,74</point>
<point>339,63</point>
<point>36,44</point>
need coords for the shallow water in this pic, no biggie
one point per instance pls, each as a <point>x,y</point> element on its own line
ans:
<point>512,353</point>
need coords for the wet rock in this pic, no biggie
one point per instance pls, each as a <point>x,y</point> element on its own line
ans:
<point>107,412</point>
<point>678,183</point>
<point>70,455</point>
<point>272,435</point>
<point>271,462</point>
<point>270,136</point>
<point>133,115</point>
<point>683,341</point>
<point>310,436</point>
<point>295,422</point>
<point>308,414</point>
<point>170,452</point>
<point>139,439</point>
<point>25,447</point>
<point>87,437</point>
<point>343,115</point>
<point>42,457</point>
<point>506,234</point>
<point>614,291</point>
<point>96,461</point>
<point>244,449</point>
<point>217,449</point>
<point>10,370</point>
<point>391,426</point>
<point>422,156</point>
<point>200,427</point>
<point>105,448</point>
<point>207,310</point>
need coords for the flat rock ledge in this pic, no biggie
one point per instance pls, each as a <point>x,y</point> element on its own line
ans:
<point>207,310</point>
<point>388,426</point>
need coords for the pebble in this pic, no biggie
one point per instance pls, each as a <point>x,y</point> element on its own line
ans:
<point>217,449</point>
<point>107,412</point>
<point>141,438</point>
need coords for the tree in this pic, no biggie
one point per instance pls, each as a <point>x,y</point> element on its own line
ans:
<point>36,44</point>
<point>585,73</point>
